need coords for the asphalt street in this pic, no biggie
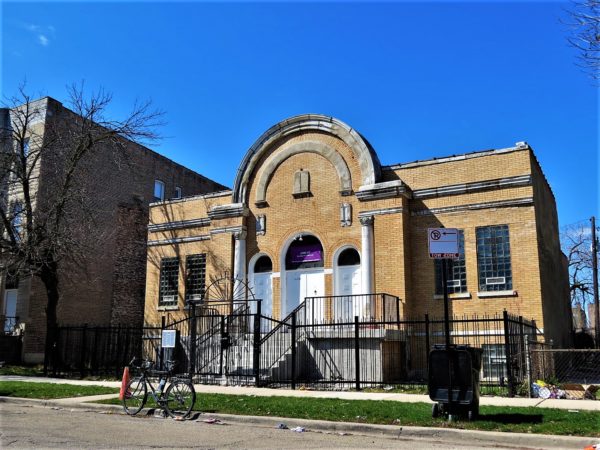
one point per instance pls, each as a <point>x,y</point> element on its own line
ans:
<point>32,426</point>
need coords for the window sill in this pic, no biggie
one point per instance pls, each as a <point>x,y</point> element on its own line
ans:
<point>168,308</point>
<point>461,296</point>
<point>497,294</point>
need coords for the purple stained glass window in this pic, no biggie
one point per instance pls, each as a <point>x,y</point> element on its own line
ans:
<point>305,253</point>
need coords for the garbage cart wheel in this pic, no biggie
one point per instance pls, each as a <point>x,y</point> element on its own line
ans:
<point>435,410</point>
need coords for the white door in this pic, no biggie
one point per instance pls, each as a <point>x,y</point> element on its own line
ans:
<point>301,284</point>
<point>349,282</point>
<point>314,286</point>
<point>10,306</point>
<point>262,288</point>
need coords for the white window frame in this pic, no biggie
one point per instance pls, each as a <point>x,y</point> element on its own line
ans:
<point>178,192</point>
<point>161,184</point>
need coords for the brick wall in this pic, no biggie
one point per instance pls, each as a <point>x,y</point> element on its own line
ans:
<point>103,279</point>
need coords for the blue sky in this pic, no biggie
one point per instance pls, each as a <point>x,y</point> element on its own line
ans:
<point>418,80</point>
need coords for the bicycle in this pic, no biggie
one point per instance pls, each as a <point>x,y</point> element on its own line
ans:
<point>177,400</point>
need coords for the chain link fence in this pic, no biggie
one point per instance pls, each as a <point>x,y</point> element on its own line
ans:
<point>563,373</point>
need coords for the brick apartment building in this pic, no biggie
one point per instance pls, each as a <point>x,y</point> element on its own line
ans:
<point>314,213</point>
<point>106,285</point>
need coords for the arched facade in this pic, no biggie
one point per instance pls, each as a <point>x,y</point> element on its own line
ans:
<point>313,175</point>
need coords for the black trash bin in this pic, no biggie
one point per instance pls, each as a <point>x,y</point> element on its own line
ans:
<point>466,365</point>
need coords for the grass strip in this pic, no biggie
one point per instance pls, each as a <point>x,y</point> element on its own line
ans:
<point>24,389</point>
<point>492,418</point>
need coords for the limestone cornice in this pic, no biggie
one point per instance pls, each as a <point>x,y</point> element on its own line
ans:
<point>528,201</point>
<point>203,237</point>
<point>177,225</point>
<point>239,232</point>
<point>378,191</point>
<point>477,186</point>
<point>380,212</point>
<point>228,211</point>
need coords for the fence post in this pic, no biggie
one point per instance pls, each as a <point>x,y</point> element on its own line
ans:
<point>83,352</point>
<point>294,350</point>
<point>398,311</point>
<point>357,352</point>
<point>528,366</point>
<point>193,343</point>
<point>427,342</point>
<point>507,352</point>
<point>256,349</point>
<point>162,350</point>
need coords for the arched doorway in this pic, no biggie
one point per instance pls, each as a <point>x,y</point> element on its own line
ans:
<point>261,270</point>
<point>304,274</point>
<point>348,286</point>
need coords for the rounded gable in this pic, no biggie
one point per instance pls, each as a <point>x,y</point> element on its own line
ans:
<point>365,155</point>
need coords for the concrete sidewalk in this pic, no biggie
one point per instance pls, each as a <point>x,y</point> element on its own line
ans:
<point>576,405</point>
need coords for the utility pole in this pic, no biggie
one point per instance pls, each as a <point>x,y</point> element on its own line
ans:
<point>595,275</point>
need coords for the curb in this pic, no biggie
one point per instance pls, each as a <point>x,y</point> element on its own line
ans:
<point>445,435</point>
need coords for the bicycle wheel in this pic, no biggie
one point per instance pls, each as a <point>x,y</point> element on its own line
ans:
<point>181,397</point>
<point>135,396</point>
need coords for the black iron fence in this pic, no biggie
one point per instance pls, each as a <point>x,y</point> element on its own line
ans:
<point>9,325</point>
<point>94,350</point>
<point>349,342</point>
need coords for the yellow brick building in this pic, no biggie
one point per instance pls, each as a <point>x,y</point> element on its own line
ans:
<point>313,213</point>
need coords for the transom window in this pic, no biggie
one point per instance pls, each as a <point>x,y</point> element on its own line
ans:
<point>349,257</point>
<point>493,258</point>
<point>456,271</point>
<point>195,276</point>
<point>263,265</point>
<point>305,252</point>
<point>169,281</point>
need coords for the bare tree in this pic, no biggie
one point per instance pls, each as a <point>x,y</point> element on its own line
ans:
<point>576,240</point>
<point>45,212</point>
<point>585,35</point>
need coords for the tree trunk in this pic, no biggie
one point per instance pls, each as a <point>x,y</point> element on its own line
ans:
<point>49,276</point>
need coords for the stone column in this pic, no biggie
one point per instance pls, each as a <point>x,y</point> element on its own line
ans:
<point>367,254</point>
<point>239,264</point>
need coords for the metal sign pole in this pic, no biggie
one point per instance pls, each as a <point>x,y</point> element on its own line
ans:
<point>447,335</point>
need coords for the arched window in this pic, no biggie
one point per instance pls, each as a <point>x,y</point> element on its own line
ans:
<point>263,264</point>
<point>304,252</point>
<point>349,257</point>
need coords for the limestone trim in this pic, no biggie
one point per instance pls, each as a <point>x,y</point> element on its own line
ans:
<point>228,211</point>
<point>457,296</point>
<point>238,231</point>
<point>528,201</point>
<point>204,237</point>
<point>498,294</point>
<point>216,194</point>
<point>468,188</point>
<point>378,191</point>
<point>462,157</point>
<point>380,212</point>
<point>202,222</point>
<point>365,155</point>
<point>320,148</point>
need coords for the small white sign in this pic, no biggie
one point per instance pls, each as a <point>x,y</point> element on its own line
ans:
<point>443,243</point>
<point>168,338</point>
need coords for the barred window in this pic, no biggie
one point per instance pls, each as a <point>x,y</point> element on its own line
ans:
<point>456,271</point>
<point>195,276</point>
<point>493,258</point>
<point>169,281</point>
